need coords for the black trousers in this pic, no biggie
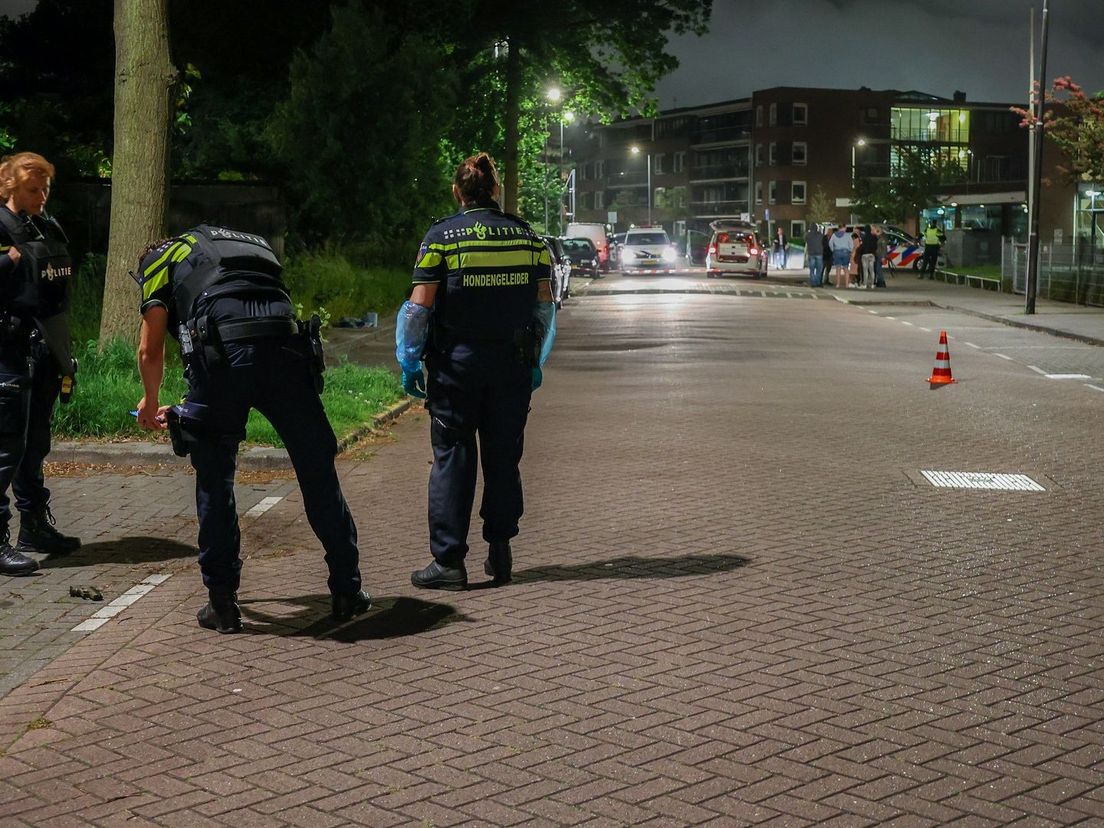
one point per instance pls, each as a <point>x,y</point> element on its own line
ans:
<point>930,259</point>
<point>29,387</point>
<point>273,376</point>
<point>475,393</point>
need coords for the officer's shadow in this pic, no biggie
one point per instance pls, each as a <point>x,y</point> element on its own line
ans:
<point>128,550</point>
<point>627,567</point>
<point>309,616</point>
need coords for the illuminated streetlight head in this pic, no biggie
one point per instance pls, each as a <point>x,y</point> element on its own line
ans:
<point>861,142</point>
<point>568,116</point>
<point>634,149</point>
<point>554,94</point>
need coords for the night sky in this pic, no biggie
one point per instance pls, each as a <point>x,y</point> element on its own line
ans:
<point>977,46</point>
<point>938,46</point>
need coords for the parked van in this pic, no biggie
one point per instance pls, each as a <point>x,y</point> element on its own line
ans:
<point>596,232</point>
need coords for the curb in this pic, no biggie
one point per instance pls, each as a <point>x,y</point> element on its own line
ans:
<point>255,458</point>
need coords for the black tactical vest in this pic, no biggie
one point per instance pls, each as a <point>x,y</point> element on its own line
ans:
<point>222,260</point>
<point>42,282</point>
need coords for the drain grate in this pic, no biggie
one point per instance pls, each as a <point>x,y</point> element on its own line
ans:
<point>981,480</point>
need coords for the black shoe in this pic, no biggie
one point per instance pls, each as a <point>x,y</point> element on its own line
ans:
<point>14,562</point>
<point>221,613</point>
<point>37,534</point>
<point>436,576</point>
<point>499,562</point>
<point>346,605</point>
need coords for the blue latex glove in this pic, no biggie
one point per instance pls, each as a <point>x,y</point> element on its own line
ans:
<point>538,378</point>
<point>545,315</point>
<point>414,384</point>
<point>411,331</point>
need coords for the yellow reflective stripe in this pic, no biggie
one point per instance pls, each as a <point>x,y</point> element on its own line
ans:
<point>151,284</point>
<point>520,244</point>
<point>181,254</point>
<point>544,258</point>
<point>172,248</point>
<point>495,258</point>
<point>441,247</point>
<point>430,260</point>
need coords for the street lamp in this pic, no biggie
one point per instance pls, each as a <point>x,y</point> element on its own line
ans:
<point>854,169</point>
<point>554,95</point>
<point>635,150</point>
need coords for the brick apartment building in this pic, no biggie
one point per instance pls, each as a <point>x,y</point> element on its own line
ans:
<point>767,156</point>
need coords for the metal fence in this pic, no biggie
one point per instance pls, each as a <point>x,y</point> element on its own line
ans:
<point>1068,271</point>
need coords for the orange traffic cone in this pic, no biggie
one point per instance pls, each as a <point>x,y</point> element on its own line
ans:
<point>941,374</point>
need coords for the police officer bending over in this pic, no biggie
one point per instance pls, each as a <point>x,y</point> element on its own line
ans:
<point>35,272</point>
<point>219,293</point>
<point>481,312</point>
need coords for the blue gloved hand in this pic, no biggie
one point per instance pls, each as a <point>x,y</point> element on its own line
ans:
<point>414,384</point>
<point>538,378</point>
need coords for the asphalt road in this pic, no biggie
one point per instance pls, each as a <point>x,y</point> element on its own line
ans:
<point>737,596</point>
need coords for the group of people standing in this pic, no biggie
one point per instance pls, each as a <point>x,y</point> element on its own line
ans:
<point>855,256</point>
<point>480,319</point>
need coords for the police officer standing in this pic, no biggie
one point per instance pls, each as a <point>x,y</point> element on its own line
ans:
<point>35,271</point>
<point>481,312</point>
<point>933,242</point>
<point>219,293</point>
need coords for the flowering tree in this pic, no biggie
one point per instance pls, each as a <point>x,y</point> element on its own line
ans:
<point>1076,125</point>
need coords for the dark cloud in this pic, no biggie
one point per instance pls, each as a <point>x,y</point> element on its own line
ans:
<point>977,46</point>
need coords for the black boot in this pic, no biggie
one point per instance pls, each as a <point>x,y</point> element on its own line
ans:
<point>222,613</point>
<point>12,561</point>
<point>436,576</point>
<point>500,562</point>
<point>348,604</point>
<point>37,534</point>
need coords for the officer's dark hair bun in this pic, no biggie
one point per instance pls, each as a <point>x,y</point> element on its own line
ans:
<point>476,178</point>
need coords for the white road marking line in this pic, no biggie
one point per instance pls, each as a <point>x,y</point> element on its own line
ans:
<point>1094,387</point>
<point>262,507</point>
<point>1037,370</point>
<point>894,318</point>
<point>903,322</point>
<point>926,330</point>
<point>872,311</point>
<point>104,614</point>
<point>1002,356</point>
<point>1068,376</point>
<point>972,345</point>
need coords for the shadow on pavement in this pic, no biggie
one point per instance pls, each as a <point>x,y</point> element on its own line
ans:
<point>132,550</point>
<point>388,618</point>
<point>634,566</point>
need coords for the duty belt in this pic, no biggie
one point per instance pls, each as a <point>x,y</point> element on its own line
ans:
<point>256,329</point>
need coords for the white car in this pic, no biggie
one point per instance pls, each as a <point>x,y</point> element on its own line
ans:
<point>647,247</point>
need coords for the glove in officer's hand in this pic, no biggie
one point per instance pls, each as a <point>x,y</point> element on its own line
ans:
<point>538,378</point>
<point>413,383</point>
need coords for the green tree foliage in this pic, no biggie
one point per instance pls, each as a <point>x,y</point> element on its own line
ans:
<point>608,54</point>
<point>1075,123</point>
<point>56,83</point>
<point>362,148</point>
<point>822,209</point>
<point>912,187</point>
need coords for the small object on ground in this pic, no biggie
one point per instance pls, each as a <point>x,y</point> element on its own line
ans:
<point>369,320</point>
<point>88,593</point>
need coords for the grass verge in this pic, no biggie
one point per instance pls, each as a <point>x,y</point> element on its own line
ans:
<point>108,387</point>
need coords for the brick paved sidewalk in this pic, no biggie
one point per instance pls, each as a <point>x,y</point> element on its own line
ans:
<point>723,615</point>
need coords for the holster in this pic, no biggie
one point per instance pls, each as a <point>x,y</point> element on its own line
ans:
<point>206,332</point>
<point>527,343</point>
<point>176,432</point>
<point>311,331</point>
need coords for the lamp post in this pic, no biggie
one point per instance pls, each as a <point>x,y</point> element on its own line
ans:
<point>861,142</point>
<point>635,150</point>
<point>1092,194</point>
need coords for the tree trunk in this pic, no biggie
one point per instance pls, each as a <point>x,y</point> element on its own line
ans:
<point>513,115</point>
<point>144,78</point>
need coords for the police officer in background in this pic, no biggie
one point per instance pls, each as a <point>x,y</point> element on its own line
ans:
<point>219,293</point>
<point>481,312</point>
<point>933,243</point>
<point>35,272</point>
